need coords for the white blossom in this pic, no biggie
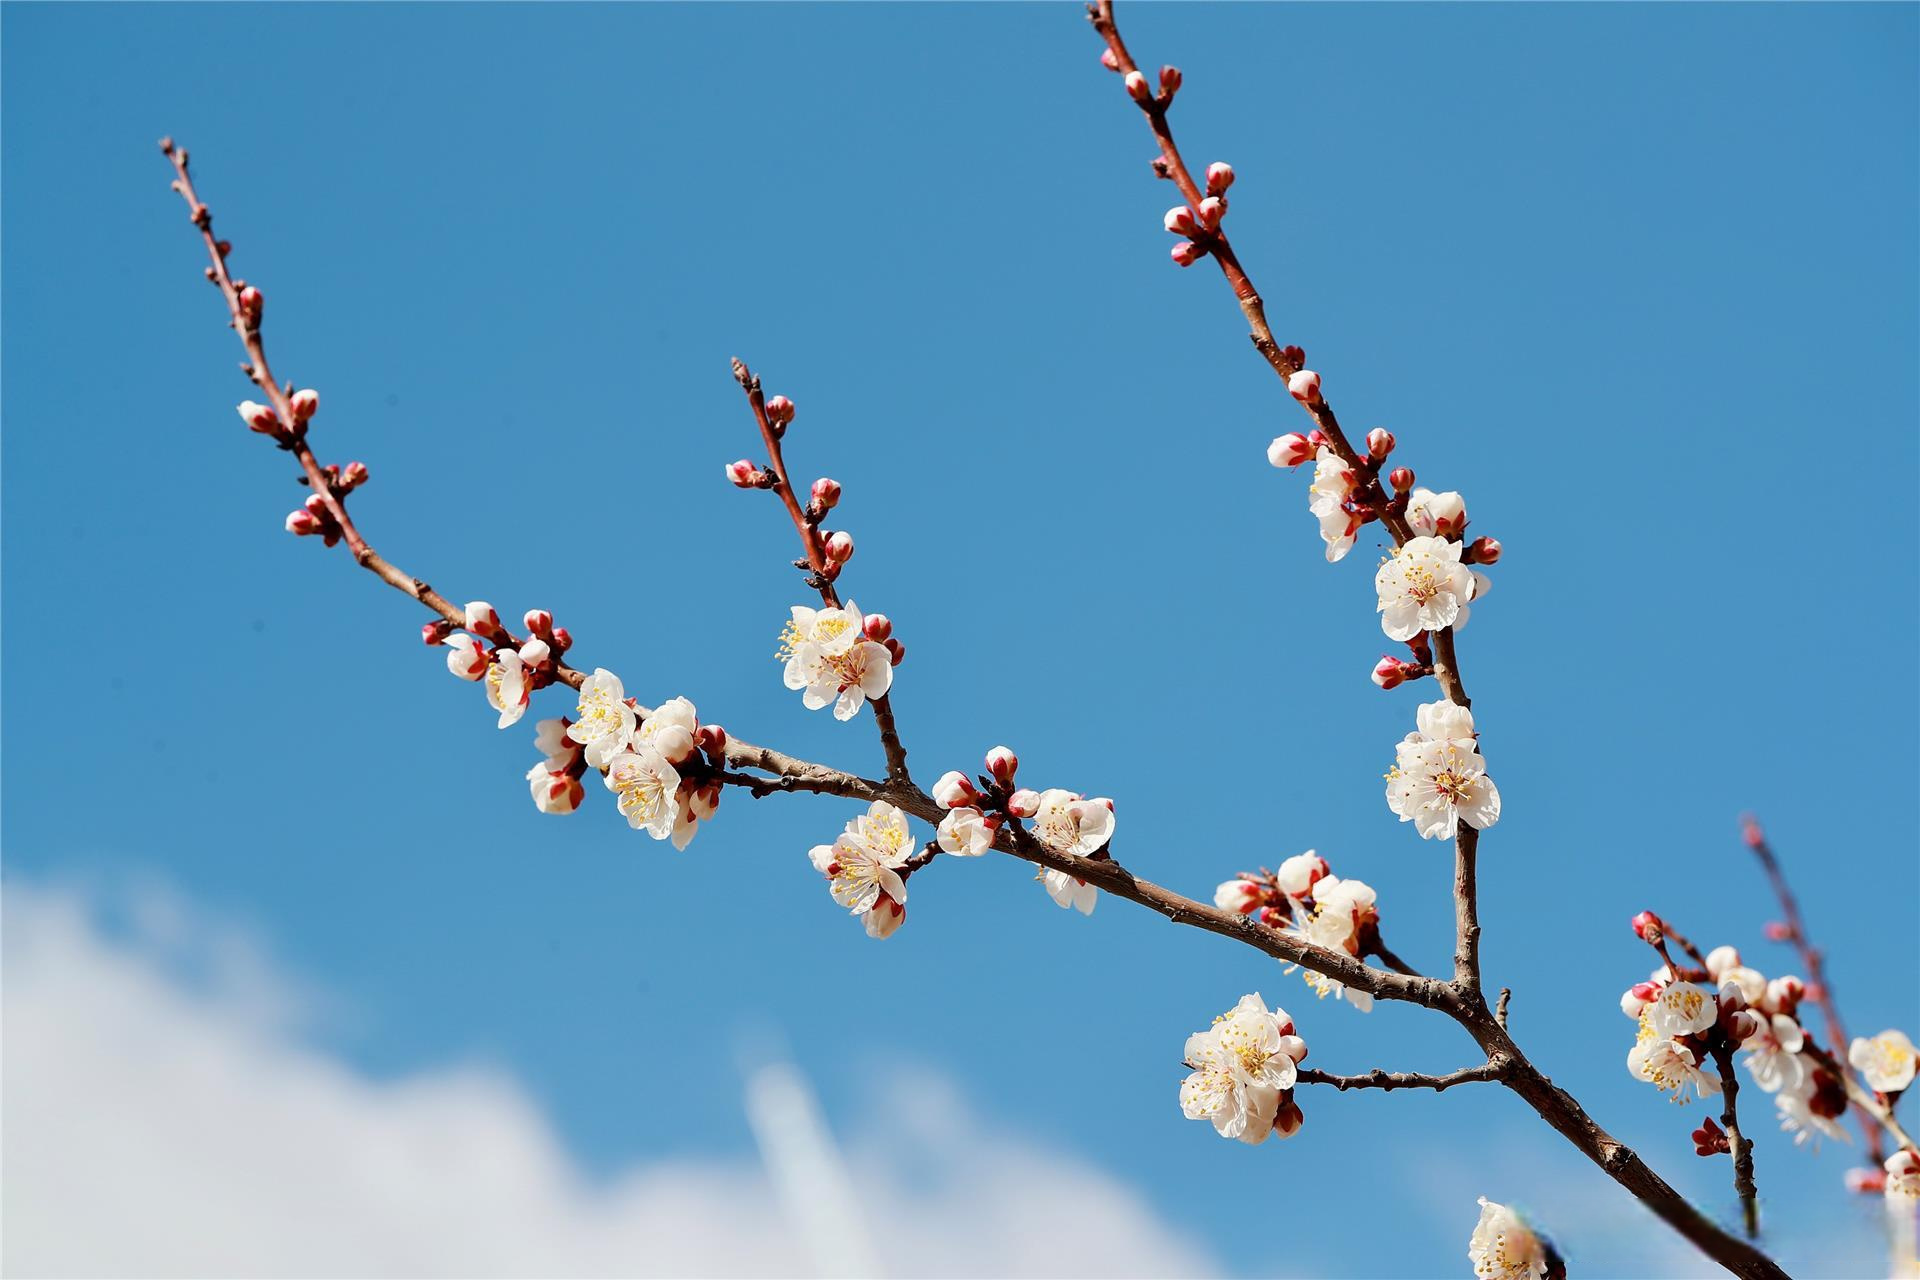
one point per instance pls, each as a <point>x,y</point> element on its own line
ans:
<point>554,791</point>
<point>1886,1060</point>
<point>1504,1247</point>
<point>1333,484</point>
<point>1298,874</point>
<point>669,730</point>
<point>1798,1118</point>
<point>1903,1175</point>
<point>603,722</point>
<point>1430,514</point>
<point>1069,891</point>
<point>965,832</point>
<point>1668,1065</point>
<point>1423,587</point>
<point>1439,779</point>
<point>1773,1053</point>
<point>1070,823</point>
<point>828,655</point>
<point>550,740</point>
<point>466,657</point>
<point>510,679</point>
<point>1239,895</point>
<point>883,917</point>
<point>648,788</point>
<point>1680,1009</point>
<point>696,802</point>
<point>1240,1066</point>
<point>865,861</point>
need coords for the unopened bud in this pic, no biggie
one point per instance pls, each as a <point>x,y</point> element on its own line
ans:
<point>252,303</point>
<point>1389,672</point>
<point>827,493</point>
<point>1170,80</point>
<point>877,627</point>
<point>260,417</point>
<point>896,652</point>
<point>1001,763</point>
<point>435,632</point>
<point>779,411</point>
<point>1778,931</point>
<point>1210,211</point>
<point>1023,803</point>
<point>1741,1025</point>
<point>953,791</point>
<point>712,739</point>
<point>1186,253</point>
<point>1180,221</point>
<point>303,523</point>
<point>481,619</point>
<point>839,546</point>
<point>1219,177</point>
<point>1646,927</point>
<point>304,404</point>
<point>1109,60</point>
<point>317,505</point>
<point>1401,478</point>
<point>1290,450</point>
<point>1751,833</point>
<point>353,476</point>
<point>1304,386</point>
<point>1483,551</point>
<point>1379,444</point>
<point>1137,88</point>
<point>743,474</point>
<point>1866,1181</point>
<point>539,622</point>
<point>562,640</point>
<point>1287,1117</point>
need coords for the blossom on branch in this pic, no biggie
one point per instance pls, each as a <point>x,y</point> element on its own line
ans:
<point>1327,498</point>
<point>1431,514</point>
<point>1504,1247</point>
<point>1423,587</point>
<point>1243,1067</point>
<point>964,831</point>
<point>603,722</point>
<point>510,679</point>
<point>1439,779</point>
<point>828,655</point>
<point>466,657</point>
<point>648,788</point>
<point>1886,1061</point>
<point>1068,822</point>
<point>1669,1065</point>
<point>863,864</point>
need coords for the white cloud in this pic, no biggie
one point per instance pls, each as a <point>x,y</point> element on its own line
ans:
<point>163,1117</point>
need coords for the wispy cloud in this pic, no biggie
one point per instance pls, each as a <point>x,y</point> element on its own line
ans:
<point>162,1116</point>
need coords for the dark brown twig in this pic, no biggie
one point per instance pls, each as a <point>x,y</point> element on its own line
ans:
<point>1739,1143</point>
<point>1486,1072</point>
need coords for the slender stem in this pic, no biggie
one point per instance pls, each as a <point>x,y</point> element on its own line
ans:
<point>1741,1145</point>
<point>1390,1080</point>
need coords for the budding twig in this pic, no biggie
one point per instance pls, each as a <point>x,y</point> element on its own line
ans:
<point>1740,1144</point>
<point>1486,1072</point>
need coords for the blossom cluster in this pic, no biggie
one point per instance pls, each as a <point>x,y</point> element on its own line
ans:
<point>864,867</point>
<point>838,656</point>
<point>663,768</point>
<point>1305,900</point>
<point>1243,1071</point>
<point>1064,821</point>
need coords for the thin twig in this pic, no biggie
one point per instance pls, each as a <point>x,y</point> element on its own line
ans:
<point>1742,1146</point>
<point>1486,1072</point>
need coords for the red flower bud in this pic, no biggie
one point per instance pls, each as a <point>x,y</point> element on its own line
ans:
<point>1304,386</point>
<point>896,652</point>
<point>1389,672</point>
<point>1219,178</point>
<point>827,493</point>
<point>779,411</point>
<point>1170,80</point>
<point>1186,253</point>
<point>877,626</point>
<point>540,623</point>
<point>1379,444</point>
<point>1646,926</point>
<point>1137,88</point>
<point>743,474</point>
<point>1210,211</point>
<point>839,546</point>
<point>1401,478</point>
<point>1108,60</point>
<point>1290,450</point>
<point>1483,551</point>
<point>562,640</point>
<point>1001,763</point>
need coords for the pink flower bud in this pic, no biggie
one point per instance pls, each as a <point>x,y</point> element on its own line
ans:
<point>1290,450</point>
<point>1304,386</point>
<point>1137,88</point>
<point>561,640</point>
<point>1778,931</point>
<point>1401,478</point>
<point>1389,672</point>
<point>953,791</point>
<point>1001,762</point>
<point>1751,833</point>
<point>1870,1182</point>
<point>481,619</point>
<point>896,652</point>
<point>304,404</point>
<point>877,627</point>
<point>539,622</point>
<point>1169,80</point>
<point>712,739</point>
<point>353,477</point>
<point>1740,1025</point>
<point>1023,803</point>
<point>1784,994</point>
<point>466,657</point>
<point>827,493</point>
<point>1109,60</point>
<point>303,523</point>
<point>535,653</point>
<point>1287,1117</point>
<point>1186,253</point>
<point>743,474</point>
<point>1645,992</point>
<point>1211,210</point>
<point>252,303</point>
<point>1180,221</point>
<point>435,632</point>
<point>779,411</point>
<point>1379,444</point>
<point>317,508</point>
<point>839,546</point>
<point>884,917</point>
<point>1483,551</point>
<point>1219,177</point>
<point>260,417</point>
<point>1646,927</point>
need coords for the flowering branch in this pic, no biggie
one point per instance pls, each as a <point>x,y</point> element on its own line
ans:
<point>1391,1080</point>
<point>1742,1147</point>
<point>1793,929</point>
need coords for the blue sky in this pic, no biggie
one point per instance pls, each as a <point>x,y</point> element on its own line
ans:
<point>1638,280</point>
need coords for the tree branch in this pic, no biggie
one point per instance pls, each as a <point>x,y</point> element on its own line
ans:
<point>1391,1080</point>
<point>1741,1145</point>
